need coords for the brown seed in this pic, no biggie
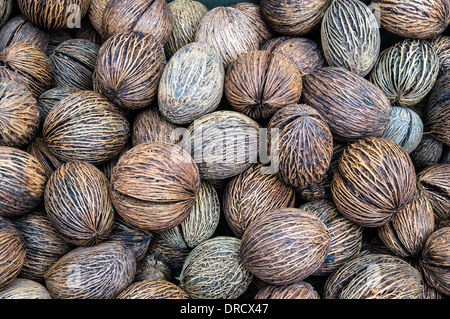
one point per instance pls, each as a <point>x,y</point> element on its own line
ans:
<point>47,100</point>
<point>5,11</point>
<point>375,178</point>
<point>293,17</point>
<point>442,46</point>
<point>19,111</point>
<point>95,15</point>
<point>88,32</point>
<point>40,151</point>
<point>428,152</point>
<point>304,145</point>
<point>253,12</point>
<point>165,252</point>
<point>285,246</point>
<point>54,14</point>
<point>56,37</point>
<point>259,83</point>
<point>300,290</point>
<point>12,252</point>
<point>22,288</point>
<point>353,107</point>
<point>153,289</point>
<point>154,185</point>
<point>129,66</point>
<point>22,182</point>
<point>20,29</point>
<point>150,268</point>
<point>101,271</point>
<point>419,19</point>
<point>85,126</point>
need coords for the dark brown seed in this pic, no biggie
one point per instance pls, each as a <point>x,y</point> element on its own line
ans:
<point>435,260</point>
<point>20,29</point>
<point>95,15</point>
<point>293,17</point>
<point>88,32</point>
<point>346,237</point>
<point>54,14</point>
<point>303,143</point>
<point>95,272</point>
<point>406,71</point>
<point>22,182</point>
<point>78,204</point>
<point>108,166</point>
<point>375,178</point>
<point>12,252</point>
<point>350,36</point>
<point>300,290</point>
<point>420,19</point>
<point>152,17</point>
<point>229,31</point>
<point>306,54</point>
<point>40,151</point>
<point>214,270</point>
<point>251,194</point>
<point>47,100</point>
<point>153,289</point>
<point>353,107</point>
<point>375,276</point>
<point>150,268</point>
<point>27,64</point>
<point>253,12</point>
<point>19,119</point>
<point>428,152</point>
<point>154,185</point>
<point>5,11</point>
<point>85,126</point>
<point>285,246</point>
<point>73,63</point>
<point>56,37</point>
<point>408,230</point>
<point>191,84</point>
<point>129,67</point>
<point>44,244</point>
<point>22,288</point>
<point>187,15</point>
<point>166,253</point>
<point>434,183</point>
<point>442,46</point>
<point>260,83</point>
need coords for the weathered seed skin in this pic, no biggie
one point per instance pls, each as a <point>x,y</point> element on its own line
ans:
<point>300,290</point>
<point>22,288</point>
<point>5,11</point>
<point>353,107</point>
<point>20,29</point>
<point>153,289</point>
<point>47,100</point>
<point>419,19</point>
<point>442,46</point>
<point>350,36</point>
<point>428,152</point>
<point>253,12</point>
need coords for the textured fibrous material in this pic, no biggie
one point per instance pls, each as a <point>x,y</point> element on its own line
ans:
<point>259,83</point>
<point>20,29</point>
<point>419,19</point>
<point>306,54</point>
<point>47,100</point>
<point>353,107</point>
<point>56,37</point>
<point>187,15</point>
<point>285,246</point>
<point>428,152</point>
<point>12,252</point>
<point>5,11</point>
<point>293,17</point>
<point>200,224</point>
<point>374,179</point>
<point>437,118</point>
<point>346,237</point>
<point>153,289</point>
<point>442,46</point>
<point>163,251</point>
<point>154,185</point>
<point>435,260</point>
<point>101,271</point>
<point>434,183</point>
<point>19,111</point>
<point>85,126</point>
<point>149,125</point>
<point>129,67</point>
<point>299,290</point>
<point>22,184</point>
<point>152,17</point>
<point>406,233</point>
<point>406,71</point>
<point>229,31</point>
<point>214,270</point>
<point>222,143</point>
<point>405,128</point>
<point>44,244</point>
<point>95,15</point>
<point>86,31</point>
<point>303,144</point>
<point>40,151</point>
<point>78,204</point>
<point>73,63</point>
<point>253,12</point>
<point>251,194</point>
<point>22,288</point>
<point>54,14</point>
<point>350,36</point>
<point>191,84</point>
<point>27,64</point>
<point>150,268</point>
<point>375,276</point>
